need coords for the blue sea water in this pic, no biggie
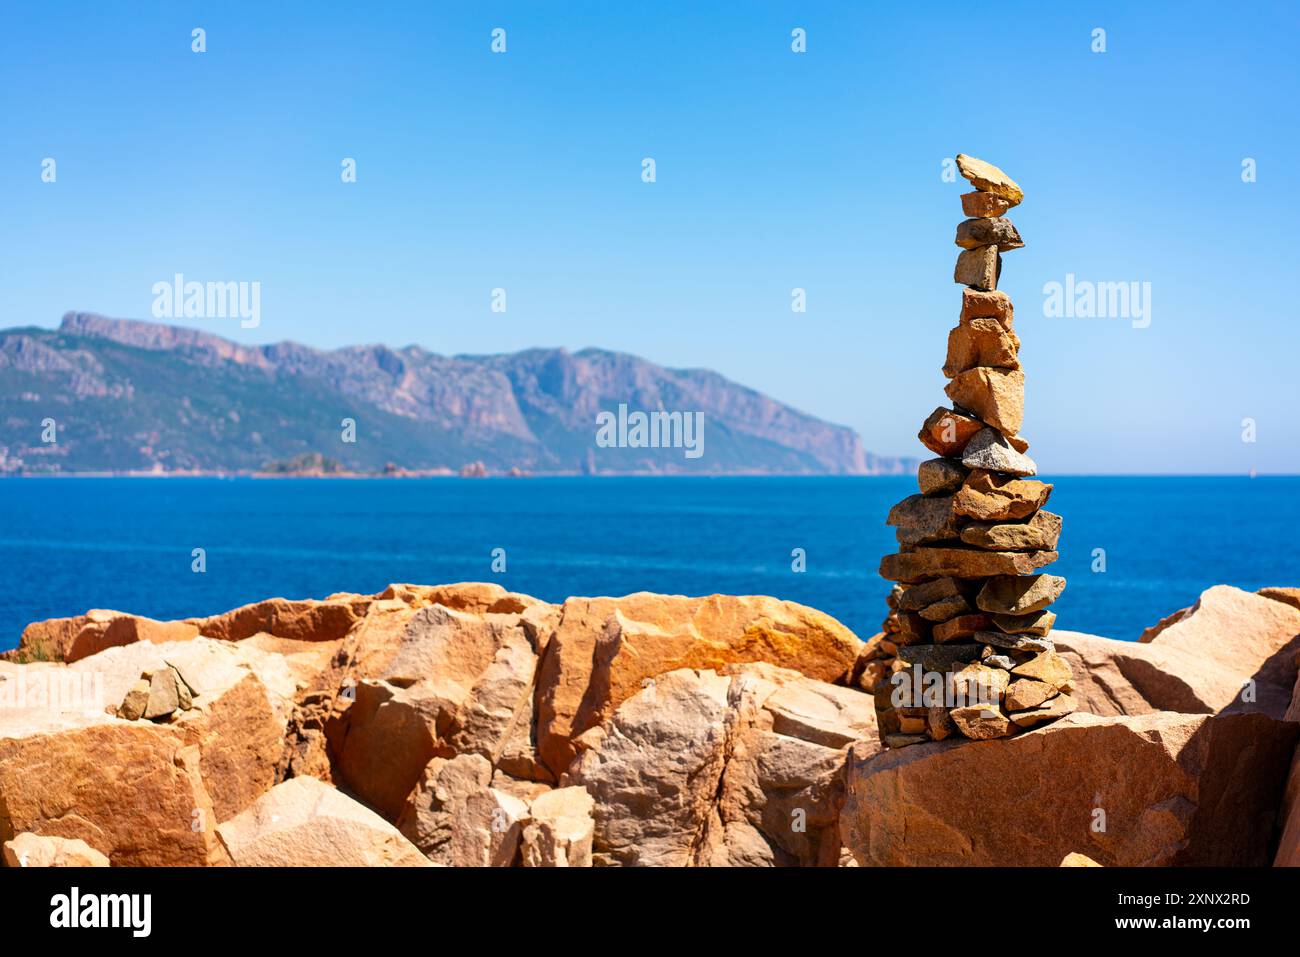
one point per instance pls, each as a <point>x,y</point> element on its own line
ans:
<point>67,545</point>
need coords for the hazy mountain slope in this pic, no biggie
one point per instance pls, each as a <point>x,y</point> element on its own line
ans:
<point>132,395</point>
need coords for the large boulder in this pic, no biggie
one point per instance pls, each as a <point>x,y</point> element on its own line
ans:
<point>232,711</point>
<point>71,639</point>
<point>707,769</point>
<point>132,790</point>
<point>1288,849</point>
<point>1232,651</point>
<point>1154,789</point>
<point>604,649</point>
<point>459,683</point>
<point>306,823</point>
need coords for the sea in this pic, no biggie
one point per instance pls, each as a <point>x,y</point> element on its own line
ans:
<point>1133,549</point>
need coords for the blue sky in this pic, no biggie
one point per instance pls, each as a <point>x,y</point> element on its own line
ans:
<point>775,170</point>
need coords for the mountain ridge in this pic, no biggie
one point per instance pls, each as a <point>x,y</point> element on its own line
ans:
<point>131,395</point>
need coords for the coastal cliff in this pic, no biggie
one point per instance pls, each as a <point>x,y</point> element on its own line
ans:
<point>468,725</point>
<point>125,395</point>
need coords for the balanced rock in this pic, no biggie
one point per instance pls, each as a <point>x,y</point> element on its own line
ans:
<point>1051,710</point>
<point>980,204</point>
<point>931,562</point>
<point>1008,595</point>
<point>927,593</point>
<point>1039,532</point>
<point>997,396</point>
<point>1035,623</point>
<point>990,450</point>
<point>979,268</point>
<point>1030,643</point>
<point>981,722</point>
<point>989,179</point>
<point>1001,233</point>
<point>1047,667</point>
<point>946,609</point>
<point>1028,693</point>
<point>940,476</point>
<point>989,497</point>
<point>980,342</point>
<point>920,519</point>
<point>962,626</point>
<point>987,304</point>
<point>947,431</point>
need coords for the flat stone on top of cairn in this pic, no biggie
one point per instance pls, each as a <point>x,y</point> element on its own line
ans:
<point>967,621</point>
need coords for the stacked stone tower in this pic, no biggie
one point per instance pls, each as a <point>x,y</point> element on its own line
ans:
<point>969,617</point>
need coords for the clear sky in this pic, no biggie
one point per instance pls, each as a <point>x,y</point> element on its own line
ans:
<point>775,170</point>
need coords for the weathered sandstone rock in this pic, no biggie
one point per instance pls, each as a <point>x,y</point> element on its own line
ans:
<point>988,178</point>
<point>947,431</point>
<point>925,594</point>
<point>37,850</point>
<point>1039,532</point>
<point>307,620</point>
<point>929,562</point>
<point>940,476</point>
<point>921,518</point>
<point>1028,693</point>
<point>984,204</point>
<point>1035,623</point>
<point>703,769</point>
<point>1078,860</point>
<point>131,790</point>
<point>980,342</point>
<point>979,268</point>
<point>1020,596</point>
<point>945,609</point>
<point>997,396</point>
<point>560,829</point>
<point>1233,651</point>
<point>605,648</point>
<point>1288,596</point>
<point>1050,710</point>
<point>990,450</point>
<point>459,683</point>
<point>981,722</point>
<point>987,304</point>
<point>972,233</point>
<point>987,497</point>
<point>963,626</point>
<point>1148,790</point>
<point>439,804</point>
<point>71,639</point>
<point>306,823</point>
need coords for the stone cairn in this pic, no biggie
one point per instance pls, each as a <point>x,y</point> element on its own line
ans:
<point>968,622</point>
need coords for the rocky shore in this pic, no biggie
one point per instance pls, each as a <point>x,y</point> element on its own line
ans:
<point>465,725</point>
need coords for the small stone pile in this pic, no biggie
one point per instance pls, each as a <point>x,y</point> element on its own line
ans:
<point>157,695</point>
<point>968,620</point>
